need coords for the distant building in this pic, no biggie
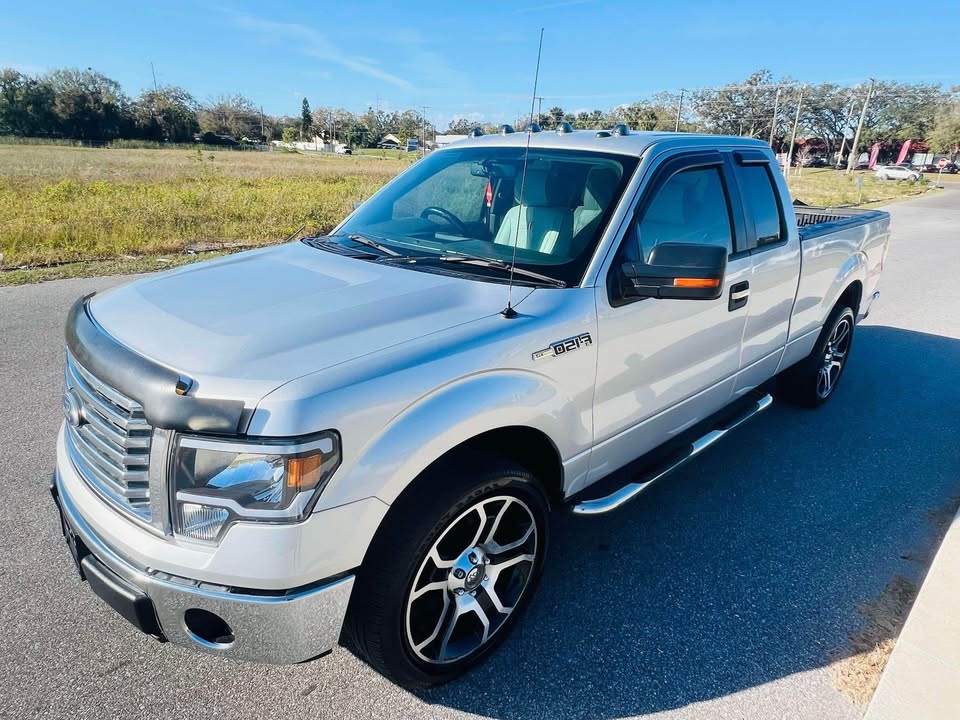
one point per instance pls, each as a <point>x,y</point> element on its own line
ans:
<point>390,142</point>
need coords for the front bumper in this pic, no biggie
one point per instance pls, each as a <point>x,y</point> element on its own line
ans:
<point>264,626</point>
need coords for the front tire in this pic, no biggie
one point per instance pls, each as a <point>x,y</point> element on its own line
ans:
<point>813,380</point>
<point>450,571</point>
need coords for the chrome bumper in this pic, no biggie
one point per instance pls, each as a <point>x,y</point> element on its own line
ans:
<point>272,627</point>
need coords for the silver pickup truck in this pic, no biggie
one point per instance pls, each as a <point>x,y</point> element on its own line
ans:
<point>364,433</point>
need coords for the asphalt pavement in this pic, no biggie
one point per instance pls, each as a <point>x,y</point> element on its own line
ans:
<point>724,592</point>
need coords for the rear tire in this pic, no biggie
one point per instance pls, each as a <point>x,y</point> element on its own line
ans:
<point>813,380</point>
<point>421,602</point>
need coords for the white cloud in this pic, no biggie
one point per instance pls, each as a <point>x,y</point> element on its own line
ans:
<point>315,44</point>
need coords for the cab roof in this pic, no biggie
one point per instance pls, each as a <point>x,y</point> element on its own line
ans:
<point>635,143</point>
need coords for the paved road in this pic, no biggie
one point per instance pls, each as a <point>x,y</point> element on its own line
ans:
<point>722,593</point>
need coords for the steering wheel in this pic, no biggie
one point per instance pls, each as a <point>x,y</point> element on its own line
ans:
<point>446,215</point>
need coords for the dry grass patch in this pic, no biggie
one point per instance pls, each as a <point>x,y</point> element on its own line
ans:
<point>100,268</point>
<point>857,674</point>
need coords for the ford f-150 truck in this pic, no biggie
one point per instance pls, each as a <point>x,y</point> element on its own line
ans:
<point>365,432</point>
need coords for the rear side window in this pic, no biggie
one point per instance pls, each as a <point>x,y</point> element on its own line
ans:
<point>690,207</point>
<point>762,204</point>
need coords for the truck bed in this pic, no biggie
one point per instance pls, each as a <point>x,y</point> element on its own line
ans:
<point>832,239</point>
<point>814,222</point>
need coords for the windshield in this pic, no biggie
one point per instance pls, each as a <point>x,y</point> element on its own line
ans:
<point>467,202</point>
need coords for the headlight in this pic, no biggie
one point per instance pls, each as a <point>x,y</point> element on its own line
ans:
<point>217,482</point>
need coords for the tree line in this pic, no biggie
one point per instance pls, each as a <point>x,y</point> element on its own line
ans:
<point>88,106</point>
<point>767,108</point>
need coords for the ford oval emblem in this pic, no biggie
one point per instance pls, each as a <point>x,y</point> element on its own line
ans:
<point>72,409</point>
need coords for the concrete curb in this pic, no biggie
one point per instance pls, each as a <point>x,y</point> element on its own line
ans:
<point>922,678</point>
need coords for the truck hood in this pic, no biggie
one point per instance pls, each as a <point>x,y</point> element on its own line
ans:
<point>243,325</point>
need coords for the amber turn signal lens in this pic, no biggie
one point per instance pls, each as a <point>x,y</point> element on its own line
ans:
<point>303,473</point>
<point>696,282</point>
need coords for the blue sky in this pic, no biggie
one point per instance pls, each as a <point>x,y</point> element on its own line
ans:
<point>474,59</point>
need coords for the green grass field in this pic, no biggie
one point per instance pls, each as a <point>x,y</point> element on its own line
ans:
<point>62,204</point>
<point>93,211</point>
<point>825,186</point>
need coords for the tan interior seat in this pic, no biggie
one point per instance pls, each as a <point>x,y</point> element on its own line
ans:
<point>544,222</point>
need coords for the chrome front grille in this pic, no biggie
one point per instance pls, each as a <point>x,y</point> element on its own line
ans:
<point>110,446</point>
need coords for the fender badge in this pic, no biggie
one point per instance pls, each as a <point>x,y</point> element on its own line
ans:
<point>562,347</point>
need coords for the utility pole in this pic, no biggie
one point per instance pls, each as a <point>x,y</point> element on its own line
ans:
<point>773,122</point>
<point>423,129</point>
<point>852,159</point>
<point>846,124</point>
<point>154,72</point>
<point>679,111</point>
<point>793,136</point>
<point>262,134</point>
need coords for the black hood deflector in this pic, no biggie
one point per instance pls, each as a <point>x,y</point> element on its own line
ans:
<point>150,384</point>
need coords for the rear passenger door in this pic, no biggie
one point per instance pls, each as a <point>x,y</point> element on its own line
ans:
<point>773,247</point>
<point>664,364</point>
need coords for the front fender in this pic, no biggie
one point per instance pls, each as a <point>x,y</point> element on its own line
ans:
<point>453,414</point>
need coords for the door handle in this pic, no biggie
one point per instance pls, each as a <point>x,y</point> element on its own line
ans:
<point>739,294</point>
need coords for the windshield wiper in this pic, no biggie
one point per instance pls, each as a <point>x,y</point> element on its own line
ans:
<point>369,242</point>
<point>321,243</point>
<point>455,256</point>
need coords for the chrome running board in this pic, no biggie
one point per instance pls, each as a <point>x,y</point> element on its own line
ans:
<point>630,491</point>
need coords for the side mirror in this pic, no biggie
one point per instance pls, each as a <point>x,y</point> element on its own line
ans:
<point>677,270</point>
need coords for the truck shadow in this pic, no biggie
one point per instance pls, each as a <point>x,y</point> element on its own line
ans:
<point>745,566</point>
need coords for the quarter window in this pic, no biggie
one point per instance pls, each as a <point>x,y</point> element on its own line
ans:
<point>690,207</point>
<point>760,199</point>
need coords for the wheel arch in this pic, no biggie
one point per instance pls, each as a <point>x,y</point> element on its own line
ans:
<point>526,446</point>
<point>852,296</point>
<point>517,415</point>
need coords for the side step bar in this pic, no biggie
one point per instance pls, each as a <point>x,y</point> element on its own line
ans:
<point>630,491</point>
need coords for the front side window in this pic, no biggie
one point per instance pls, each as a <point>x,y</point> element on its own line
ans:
<point>690,207</point>
<point>478,201</point>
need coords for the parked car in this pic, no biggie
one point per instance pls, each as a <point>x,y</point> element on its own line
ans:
<point>934,167</point>
<point>814,162</point>
<point>211,138</point>
<point>343,150</point>
<point>366,431</point>
<point>858,166</point>
<point>387,145</point>
<point>898,172</point>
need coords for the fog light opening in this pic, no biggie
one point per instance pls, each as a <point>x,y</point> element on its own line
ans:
<point>208,629</point>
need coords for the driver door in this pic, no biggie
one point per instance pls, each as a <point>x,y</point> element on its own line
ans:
<point>665,364</point>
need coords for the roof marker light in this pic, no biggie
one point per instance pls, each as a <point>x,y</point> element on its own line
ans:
<point>564,128</point>
<point>621,129</point>
<point>506,129</point>
<point>533,127</point>
<point>476,132</point>
<point>603,133</point>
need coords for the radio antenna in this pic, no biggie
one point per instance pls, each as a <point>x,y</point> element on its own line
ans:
<point>508,312</point>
